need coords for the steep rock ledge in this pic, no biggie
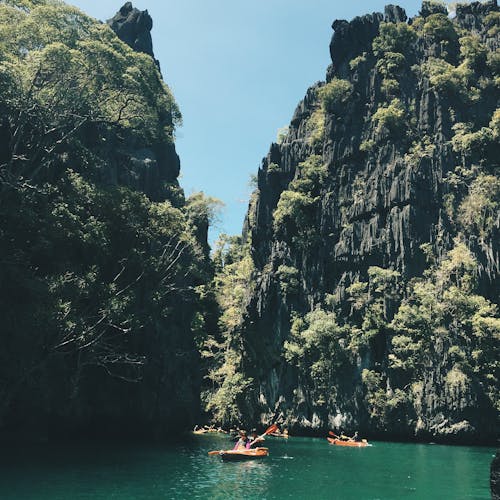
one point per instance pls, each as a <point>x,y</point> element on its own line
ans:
<point>152,168</point>
<point>380,199</point>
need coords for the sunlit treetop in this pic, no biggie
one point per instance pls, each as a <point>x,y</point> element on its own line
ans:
<point>67,68</point>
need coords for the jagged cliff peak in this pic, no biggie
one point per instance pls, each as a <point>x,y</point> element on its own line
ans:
<point>476,8</point>
<point>134,26</point>
<point>153,167</point>
<point>350,38</point>
<point>429,7</point>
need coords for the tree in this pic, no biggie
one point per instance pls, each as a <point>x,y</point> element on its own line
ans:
<point>62,73</point>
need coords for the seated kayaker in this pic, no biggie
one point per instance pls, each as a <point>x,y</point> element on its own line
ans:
<point>241,444</point>
<point>355,437</point>
<point>255,440</point>
<point>343,437</point>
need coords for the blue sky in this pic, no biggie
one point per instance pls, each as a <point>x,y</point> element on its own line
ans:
<point>237,70</point>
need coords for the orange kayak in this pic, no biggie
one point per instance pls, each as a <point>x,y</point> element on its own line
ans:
<point>340,442</point>
<point>233,455</point>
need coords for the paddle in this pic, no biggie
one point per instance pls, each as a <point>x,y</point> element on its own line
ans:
<point>269,430</point>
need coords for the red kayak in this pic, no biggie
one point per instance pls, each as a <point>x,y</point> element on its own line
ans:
<point>340,442</point>
<point>235,455</point>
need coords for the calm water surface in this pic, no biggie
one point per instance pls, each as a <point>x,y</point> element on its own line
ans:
<point>297,468</point>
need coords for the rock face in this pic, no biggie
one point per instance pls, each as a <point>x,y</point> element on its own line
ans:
<point>134,28</point>
<point>151,168</point>
<point>385,128</point>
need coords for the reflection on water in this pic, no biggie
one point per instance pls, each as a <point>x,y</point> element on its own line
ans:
<point>210,477</point>
<point>297,468</point>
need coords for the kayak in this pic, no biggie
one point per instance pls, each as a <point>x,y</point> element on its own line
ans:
<point>340,442</point>
<point>251,454</point>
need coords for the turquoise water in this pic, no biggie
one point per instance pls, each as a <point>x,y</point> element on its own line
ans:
<point>297,468</point>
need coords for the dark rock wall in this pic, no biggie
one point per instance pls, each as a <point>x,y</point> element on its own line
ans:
<point>376,209</point>
<point>134,28</point>
<point>151,168</point>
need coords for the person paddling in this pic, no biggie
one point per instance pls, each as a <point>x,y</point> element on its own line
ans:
<point>241,444</point>
<point>255,440</point>
<point>355,438</point>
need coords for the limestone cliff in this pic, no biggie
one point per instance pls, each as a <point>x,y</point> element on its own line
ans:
<point>152,168</point>
<point>376,175</point>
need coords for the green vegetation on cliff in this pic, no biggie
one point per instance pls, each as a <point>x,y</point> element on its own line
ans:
<point>374,294</point>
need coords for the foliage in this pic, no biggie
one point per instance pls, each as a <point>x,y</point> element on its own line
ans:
<point>288,276</point>
<point>439,28</point>
<point>357,61</point>
<point>493,61</point>
<point>233,284</point>
<point>315,346</point>
<point>292,206</point>
<point>423,148</point>
<point>63,73</point>
<point>315,126</point>
<point>466,142</point>
<point>282,134</point>
<point>394,38</point>
<point>443,309</point>
<point>311,174</point>
<point>110,280</point>
<point>495,123</point>
<point>296,204</point>
<point>367,145</point>
<point>473,51</point>
<point>445,77</point>
<point>390,87</point>
<point>479,209</point>
<point>390,117</point>
<point>334,94</point>
<point>372,304</point>
<point>273,168</point>
<point>203,210</point>
<point>376,395</point>
<point>492,22</point>
<point>231,386</point>
<point>391,63</point>
<point>100,280</point>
